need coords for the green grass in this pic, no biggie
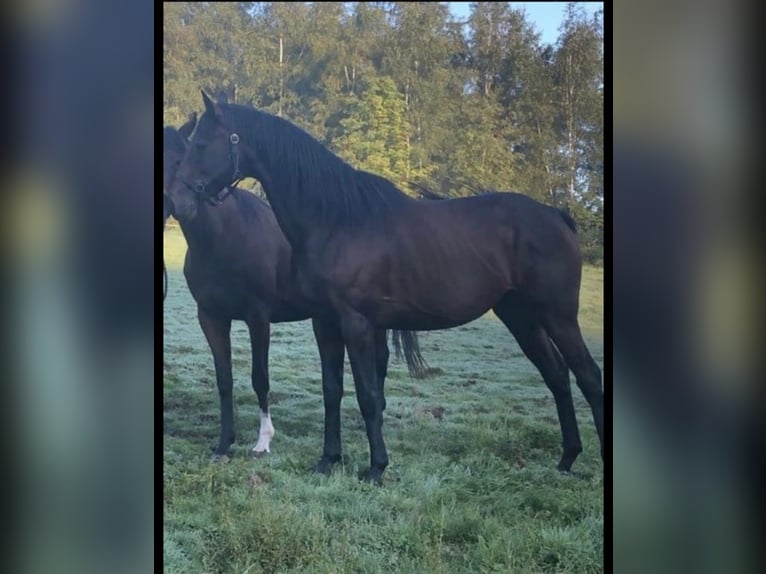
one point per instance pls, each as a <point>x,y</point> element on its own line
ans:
<point>474,490</point>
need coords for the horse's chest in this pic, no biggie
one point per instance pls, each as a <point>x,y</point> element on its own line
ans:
<point>218,291</point>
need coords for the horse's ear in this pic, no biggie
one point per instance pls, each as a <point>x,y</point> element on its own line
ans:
<point>185,131</point>
<point>211,107</point>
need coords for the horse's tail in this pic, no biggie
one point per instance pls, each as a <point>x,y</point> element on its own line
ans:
<point>568,220</point>
<point>407,341</point>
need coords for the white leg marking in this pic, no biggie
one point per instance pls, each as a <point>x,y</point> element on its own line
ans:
<point>265,434</point>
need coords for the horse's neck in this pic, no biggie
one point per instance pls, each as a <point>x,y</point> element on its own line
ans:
<point>295,226</point>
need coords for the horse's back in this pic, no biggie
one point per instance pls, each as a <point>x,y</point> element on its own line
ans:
<point>494,242</point>
<point>488,220</point>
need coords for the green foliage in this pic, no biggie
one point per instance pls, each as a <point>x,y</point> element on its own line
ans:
<point>404,90</point>
<point>373,133</point>
<point>578,70</point>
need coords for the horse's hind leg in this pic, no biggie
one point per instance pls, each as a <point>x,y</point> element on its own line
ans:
<point>217,332</point>
<point>381,360</point>
<point>522,321</point>
<point>260,330</point>
<point>331,354</point>
<point>565,332</point>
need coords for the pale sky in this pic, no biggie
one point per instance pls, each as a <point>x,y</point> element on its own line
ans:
<point>545,16</point>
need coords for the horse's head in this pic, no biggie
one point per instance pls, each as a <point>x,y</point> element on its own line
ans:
<point>211,162</point>
<point>174,144</point>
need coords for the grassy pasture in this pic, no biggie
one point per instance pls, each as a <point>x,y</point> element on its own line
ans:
<point>471,486</point>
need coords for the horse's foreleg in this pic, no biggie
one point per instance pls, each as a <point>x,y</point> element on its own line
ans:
<point>217,332</point>
<point>359,335</point>
<point>259,341</point>
<point>331,353</point>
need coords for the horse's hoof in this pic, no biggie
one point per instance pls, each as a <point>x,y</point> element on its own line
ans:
<point>372,476</point>
<point>259,453</point>
<point>222,448</point>
<point>220,458</point>
<point>324,466</point>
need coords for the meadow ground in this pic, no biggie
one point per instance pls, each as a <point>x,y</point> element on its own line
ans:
<point>471,487</point>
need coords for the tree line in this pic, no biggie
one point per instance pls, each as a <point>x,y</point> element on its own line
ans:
<point>405,90</point>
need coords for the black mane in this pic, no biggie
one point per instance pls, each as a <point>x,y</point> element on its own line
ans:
<point>316,178</point>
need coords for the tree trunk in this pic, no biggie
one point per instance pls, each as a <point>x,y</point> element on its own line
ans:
<point>571,159</point>
<point>546,165</point>
<point>281,81</point>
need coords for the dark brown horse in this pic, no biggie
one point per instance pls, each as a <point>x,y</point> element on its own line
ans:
<point>238,267</point>
<point>383,260</point>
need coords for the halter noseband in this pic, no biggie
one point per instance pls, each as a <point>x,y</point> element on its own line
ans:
<point>200,188</point>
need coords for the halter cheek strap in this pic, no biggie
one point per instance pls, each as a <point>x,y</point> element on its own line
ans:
<point>201,186</point>
<point>237,176</point>
<point>234,139</point>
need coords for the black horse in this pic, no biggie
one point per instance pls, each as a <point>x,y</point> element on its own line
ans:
<point>381,259</point>
<point>238,268</point>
